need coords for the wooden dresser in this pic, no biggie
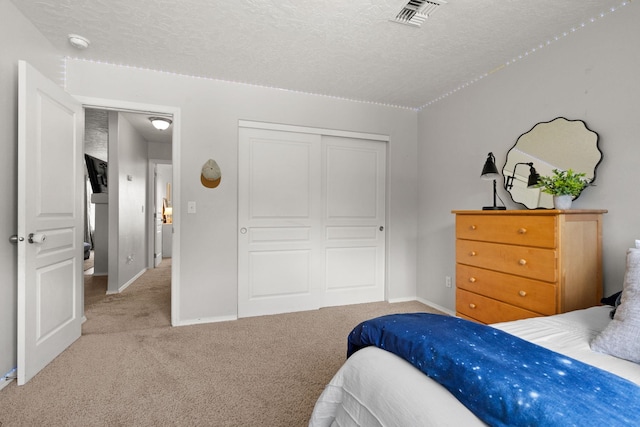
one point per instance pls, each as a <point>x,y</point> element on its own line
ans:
<point>515,264</point>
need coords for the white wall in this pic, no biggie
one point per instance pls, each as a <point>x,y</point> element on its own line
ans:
<point>159,150</point>
<point>18,40</point>
<point>590,75</point>
<point>209,112</point>
<point>131,169</point>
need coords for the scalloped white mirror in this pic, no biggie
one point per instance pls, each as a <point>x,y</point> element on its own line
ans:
<point>558,144</point>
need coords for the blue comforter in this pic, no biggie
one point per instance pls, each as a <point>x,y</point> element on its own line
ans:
<point>503,379</point>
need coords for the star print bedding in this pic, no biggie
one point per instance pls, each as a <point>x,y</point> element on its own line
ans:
<point>529,372</point>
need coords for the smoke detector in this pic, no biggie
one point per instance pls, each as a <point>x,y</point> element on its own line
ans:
<point>78,42</point>
<point>415,12</point>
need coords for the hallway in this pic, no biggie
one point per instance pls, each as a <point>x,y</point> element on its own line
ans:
<point>145,304</point>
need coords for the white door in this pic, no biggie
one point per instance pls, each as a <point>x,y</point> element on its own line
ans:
<point>279,217</point>
<point>353,234</point>
<point>311,221</point>
<point>50,222</point>
<point>157,254</point>
<point>157,218</point>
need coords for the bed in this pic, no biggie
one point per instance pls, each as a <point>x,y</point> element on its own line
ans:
<point>419,369</point>
<point>578,368</point>
<point>377,388</point>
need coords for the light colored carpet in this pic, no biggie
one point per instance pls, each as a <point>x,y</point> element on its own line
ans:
<point>131,368</point>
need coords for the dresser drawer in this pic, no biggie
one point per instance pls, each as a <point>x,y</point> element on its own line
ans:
<point>487,310</point>
<point>522,230</point>
<point>535,263</point>
<point>518,291</point>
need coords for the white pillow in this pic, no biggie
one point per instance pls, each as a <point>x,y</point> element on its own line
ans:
<point>621,338</point>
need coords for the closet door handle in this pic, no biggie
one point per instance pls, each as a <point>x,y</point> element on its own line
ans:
<point>15,239</point>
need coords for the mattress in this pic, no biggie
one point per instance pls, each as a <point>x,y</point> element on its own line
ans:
<point>377,388</point>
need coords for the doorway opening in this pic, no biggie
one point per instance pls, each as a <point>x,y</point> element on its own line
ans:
<point>128,209</point>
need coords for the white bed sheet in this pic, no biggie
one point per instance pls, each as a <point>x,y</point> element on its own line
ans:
<point>375,388</point>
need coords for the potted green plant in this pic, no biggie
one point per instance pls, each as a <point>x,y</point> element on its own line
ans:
<point>564,186</point>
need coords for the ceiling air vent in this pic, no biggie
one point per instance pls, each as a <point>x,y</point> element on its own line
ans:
<point>415,12</point>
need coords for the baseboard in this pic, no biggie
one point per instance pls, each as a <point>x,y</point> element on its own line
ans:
<point>396,300</point>
<point>5,382</point>
<point>437,306</point>
<point>6,379</point>
<point>204,320</point>
<point>126,285</point>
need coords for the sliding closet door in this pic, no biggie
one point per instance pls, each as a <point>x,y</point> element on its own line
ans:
<point>310,221</point>
<point>353,220</point>
<point>279,207</point>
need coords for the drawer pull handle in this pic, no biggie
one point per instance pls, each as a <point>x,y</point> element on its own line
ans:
<point>472,253</point>
<point>473,227</point>
<point>472,279</point>
<point>522,262</point>
<point>472,305</point>
<point>522,231</point>
<point>522,293</point>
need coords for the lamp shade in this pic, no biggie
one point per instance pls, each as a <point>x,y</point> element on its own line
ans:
<point>534,177</point>
<point>489,171</point>
<point>160,123</point>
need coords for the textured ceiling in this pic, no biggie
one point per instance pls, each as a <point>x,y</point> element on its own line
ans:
<point>346,49</point>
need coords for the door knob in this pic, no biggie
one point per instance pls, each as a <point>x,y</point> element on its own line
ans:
<point>37,238</point>
<point>16,239</point>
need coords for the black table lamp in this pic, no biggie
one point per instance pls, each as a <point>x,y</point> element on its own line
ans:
<point>534,176</point>
<point>490,172</point>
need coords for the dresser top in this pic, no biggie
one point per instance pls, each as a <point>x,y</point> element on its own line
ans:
<point>541,212</point>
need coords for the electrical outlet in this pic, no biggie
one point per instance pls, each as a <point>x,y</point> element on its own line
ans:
<point>447,281</point>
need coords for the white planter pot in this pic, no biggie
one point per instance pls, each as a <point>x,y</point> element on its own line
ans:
<point>562,202</point>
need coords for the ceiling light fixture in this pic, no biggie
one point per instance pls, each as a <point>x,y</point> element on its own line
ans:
<point>79,42</point>
<point>160,123</point>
